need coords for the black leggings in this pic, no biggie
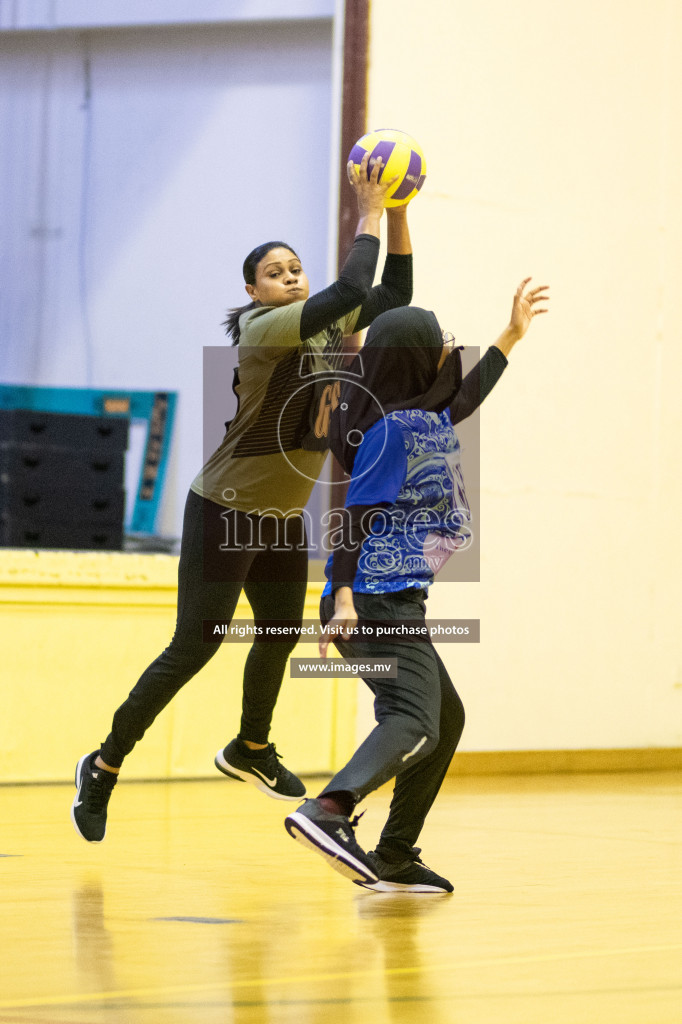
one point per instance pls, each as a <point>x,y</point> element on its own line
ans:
<point>271,568</point>
<point>419,716</point>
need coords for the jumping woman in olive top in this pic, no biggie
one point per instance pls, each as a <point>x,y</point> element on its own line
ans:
<point>258,481</point>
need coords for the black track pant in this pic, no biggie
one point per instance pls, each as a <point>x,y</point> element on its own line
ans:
<point>419,716</point>
<point>271,566</point>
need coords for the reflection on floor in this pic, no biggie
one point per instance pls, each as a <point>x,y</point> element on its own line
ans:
<point>199,908</point>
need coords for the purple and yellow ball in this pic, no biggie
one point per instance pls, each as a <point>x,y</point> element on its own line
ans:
<point>400,154</point>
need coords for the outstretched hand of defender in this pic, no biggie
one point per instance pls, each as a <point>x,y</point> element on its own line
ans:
<point>528,302</point>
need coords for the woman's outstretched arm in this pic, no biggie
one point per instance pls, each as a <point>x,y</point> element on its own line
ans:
<point>395,288</point>
<point>478,384</point>
<point>357,275</point>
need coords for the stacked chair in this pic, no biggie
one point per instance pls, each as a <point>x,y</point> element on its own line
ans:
<point>62,480</point>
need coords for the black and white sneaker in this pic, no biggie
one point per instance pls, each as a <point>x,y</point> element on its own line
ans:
<point>332,836</point>
<point>89,807</point>
<point>261,768</point>
<point>408,876</point>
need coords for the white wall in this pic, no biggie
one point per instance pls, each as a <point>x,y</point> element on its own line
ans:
<point>137,169</point>
<point>552,138</point>
<point>51,14</point>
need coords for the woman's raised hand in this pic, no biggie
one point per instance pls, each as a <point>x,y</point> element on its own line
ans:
<point>370,193</point>
<point>526,305</point>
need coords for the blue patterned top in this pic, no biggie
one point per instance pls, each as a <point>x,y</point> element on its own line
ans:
<point>410,462</point>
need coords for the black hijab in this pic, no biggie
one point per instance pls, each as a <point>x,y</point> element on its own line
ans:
<point>397,368</point>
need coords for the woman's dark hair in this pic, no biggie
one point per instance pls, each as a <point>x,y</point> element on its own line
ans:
<point>231,322</point>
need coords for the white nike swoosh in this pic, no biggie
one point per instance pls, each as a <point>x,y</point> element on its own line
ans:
<point>417,748</point>
<point>270,782</point>
<point>77,802</point>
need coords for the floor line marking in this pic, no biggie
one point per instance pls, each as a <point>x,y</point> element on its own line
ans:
<point>502,961</point>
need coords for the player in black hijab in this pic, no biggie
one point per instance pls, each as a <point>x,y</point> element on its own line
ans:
<point>394,433</point>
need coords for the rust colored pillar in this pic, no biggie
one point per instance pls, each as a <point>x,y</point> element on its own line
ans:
<point>353,126</point>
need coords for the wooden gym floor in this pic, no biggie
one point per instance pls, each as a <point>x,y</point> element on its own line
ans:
<point>199,908</point>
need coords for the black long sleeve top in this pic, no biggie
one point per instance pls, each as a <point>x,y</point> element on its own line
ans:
<point>475,387</point>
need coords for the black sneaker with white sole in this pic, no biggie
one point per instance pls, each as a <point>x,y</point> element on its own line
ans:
<point>89,808</point>
<point>332,836</point>
<point>410,875</point>
<point>262,768</point>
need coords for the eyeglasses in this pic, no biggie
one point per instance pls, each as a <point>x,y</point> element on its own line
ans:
<point>447,338</point>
